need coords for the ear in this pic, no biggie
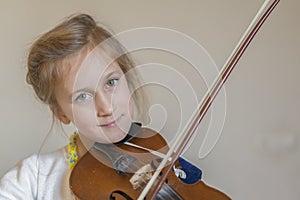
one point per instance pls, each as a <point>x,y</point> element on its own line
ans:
<point>59,114</point>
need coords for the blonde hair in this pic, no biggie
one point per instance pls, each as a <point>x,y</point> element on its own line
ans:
<point>77,32</point>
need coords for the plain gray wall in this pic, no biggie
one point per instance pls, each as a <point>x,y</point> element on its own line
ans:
<point>257,155</point>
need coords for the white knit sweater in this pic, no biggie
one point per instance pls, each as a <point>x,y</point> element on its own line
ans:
<point>38,177</point>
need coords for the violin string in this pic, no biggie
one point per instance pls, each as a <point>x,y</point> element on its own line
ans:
<point>166,192</point>
<point>135,166</point>
<point>142,163</point>
<point>156,153</point>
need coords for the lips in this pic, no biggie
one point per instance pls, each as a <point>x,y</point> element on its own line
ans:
<point>112,123</point>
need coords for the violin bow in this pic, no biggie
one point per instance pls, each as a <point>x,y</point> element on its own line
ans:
<point>178,146</point>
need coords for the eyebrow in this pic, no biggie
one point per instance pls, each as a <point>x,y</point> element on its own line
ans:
<point>115,71</point>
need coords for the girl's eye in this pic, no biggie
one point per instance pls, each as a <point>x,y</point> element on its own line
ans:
<point>111,83</point>
<point>83,97</point>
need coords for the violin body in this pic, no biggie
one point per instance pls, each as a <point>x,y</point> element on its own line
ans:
<point>93,177</point>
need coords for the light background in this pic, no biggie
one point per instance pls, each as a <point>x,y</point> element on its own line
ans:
<point>257,155</point>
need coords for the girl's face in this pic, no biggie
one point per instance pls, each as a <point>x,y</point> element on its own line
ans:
<point>94,95</point>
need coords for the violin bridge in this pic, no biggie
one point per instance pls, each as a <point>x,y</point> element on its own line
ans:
<point>141,176</point>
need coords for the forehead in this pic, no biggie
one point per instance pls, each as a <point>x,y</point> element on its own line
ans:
<point>87,60</point>
<point>86,68</point>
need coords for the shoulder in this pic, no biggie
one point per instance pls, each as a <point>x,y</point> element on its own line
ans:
<point>45,163</point>
<point>21,181</point>
<point>50,161</point>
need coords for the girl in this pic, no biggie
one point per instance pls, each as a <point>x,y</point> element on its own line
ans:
<point>87,78</point>
<point>100,106</point>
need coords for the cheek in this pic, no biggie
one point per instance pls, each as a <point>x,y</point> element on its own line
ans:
<point>131,107</point>
<point>84,116</point>
<point>123,99</point>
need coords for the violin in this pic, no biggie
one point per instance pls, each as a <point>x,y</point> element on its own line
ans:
<point>108,178</point>
<point>142,165</point>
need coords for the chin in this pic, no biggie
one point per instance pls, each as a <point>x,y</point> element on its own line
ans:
<point>118,138</point>
<point>112,137</point>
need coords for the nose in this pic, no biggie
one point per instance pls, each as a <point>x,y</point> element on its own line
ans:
<point>103,105</point>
